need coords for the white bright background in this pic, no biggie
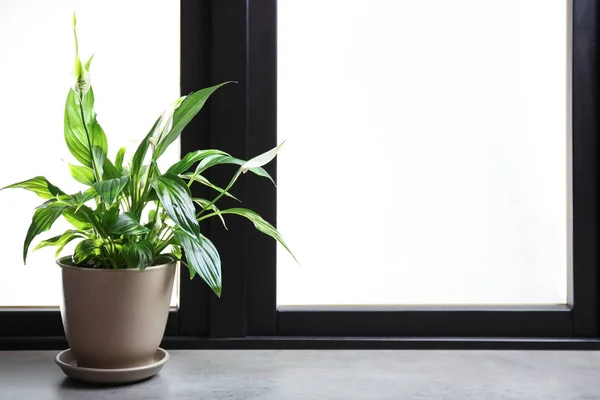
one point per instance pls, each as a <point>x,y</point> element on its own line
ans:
<point>427,152</point>
<point>135,75</point>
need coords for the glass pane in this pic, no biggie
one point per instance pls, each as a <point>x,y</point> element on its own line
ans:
<point>135,74</point>
<point>427,153</point>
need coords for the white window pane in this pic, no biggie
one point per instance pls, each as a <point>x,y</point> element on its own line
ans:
<point>135,74</point>
<point>427,153</point>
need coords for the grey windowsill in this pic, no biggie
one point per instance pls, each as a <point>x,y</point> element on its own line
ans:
<point>325,374</point>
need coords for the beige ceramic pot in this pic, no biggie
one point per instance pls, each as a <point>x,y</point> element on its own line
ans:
<point>115,318</point>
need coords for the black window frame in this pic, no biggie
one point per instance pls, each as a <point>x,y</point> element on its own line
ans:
<point>237,40</point>
<point>253,304</point>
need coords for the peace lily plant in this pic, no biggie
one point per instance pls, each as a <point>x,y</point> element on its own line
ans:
<point>133,215</point>
<point>131,225</point>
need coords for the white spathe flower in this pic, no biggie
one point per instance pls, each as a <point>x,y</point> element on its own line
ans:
<point>83,80</point>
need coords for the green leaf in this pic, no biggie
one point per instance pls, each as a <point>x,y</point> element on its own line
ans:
<point>62,246</point>
<point>75,132</point>
<point>153,218</point>
<point>260,224</point>
<point>207,204</point>
<point>255,162</point>
<point>87,109</point>
<point>139,255</point>
<point>202,258</point>
<point>261,159</point>
<point>165,259</point>
<point>109,190</point>
<point>110,171</point>
<point>128,224</point>
<point>155,135</point>
<point>42,220</point>
<point>202,180</point>
<point>182,116</point>
<point>140,153</point>
<point>137,161</point>
<point>86,249</point>
<point>82,174</point>
<point>166,122</point>
<point>98,137</point>
<point>119,159</point>
<point>151,196</point>
<point>40,186</point>
<point>175,198</point>
<point>99,158</point>
<point>176,251</point>
<point>108,218</point>
<point>82,198</point>
<point>84,136</point>
<point>81,217</point>
<point>226,159</point>
<point>61,240</point>
<point>190,159</point>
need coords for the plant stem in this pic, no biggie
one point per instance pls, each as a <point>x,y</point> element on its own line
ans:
<point>207,216</point>
<point>165,243</point>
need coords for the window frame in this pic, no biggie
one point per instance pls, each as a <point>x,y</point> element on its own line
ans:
<point>254,301</point>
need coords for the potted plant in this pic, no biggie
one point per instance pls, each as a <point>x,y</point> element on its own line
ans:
<point>133,223</point>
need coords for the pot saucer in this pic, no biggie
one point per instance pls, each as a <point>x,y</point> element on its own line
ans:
<point>67,363</point>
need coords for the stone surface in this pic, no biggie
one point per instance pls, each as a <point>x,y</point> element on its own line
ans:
<point>318,374</point>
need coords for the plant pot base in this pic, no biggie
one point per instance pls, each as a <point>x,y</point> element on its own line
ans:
<point>115,318</point>
<point>66,361</point>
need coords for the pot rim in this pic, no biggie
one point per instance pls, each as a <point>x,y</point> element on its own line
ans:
<point>61,264</point>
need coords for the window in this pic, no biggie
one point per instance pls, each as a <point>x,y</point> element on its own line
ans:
<point>541,279</point>
<point>438,162</point>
